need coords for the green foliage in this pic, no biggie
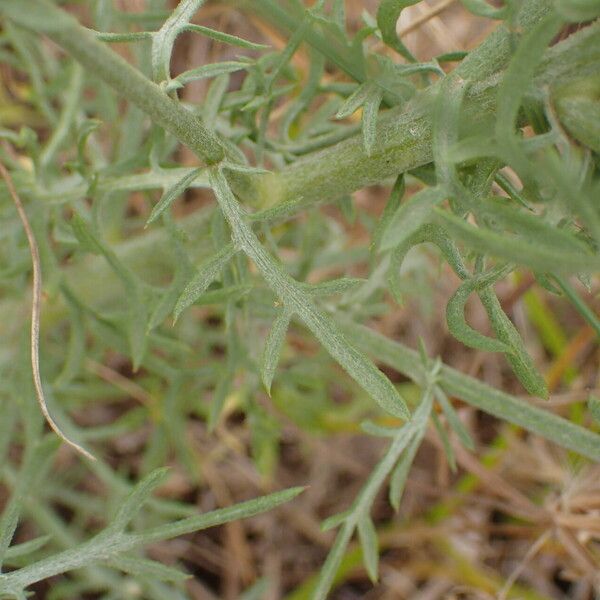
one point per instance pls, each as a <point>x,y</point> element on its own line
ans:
<point>272,150</point>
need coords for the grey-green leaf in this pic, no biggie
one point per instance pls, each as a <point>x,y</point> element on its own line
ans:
<point>273,346</point>
<point>206,71</point>
<point>171,194</point>
<point>370,546</point>
<point>205,275</point>
<point>410,217</point>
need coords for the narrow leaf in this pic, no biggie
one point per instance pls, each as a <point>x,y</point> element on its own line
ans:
<point>205,275</point>
<point>135,500</point>
<point>400,473</point>
<point>146,568</point>
<point>453,420</point>
<point>370,546</point>
<point>410,217</point>
<point>273,347</point>
<point>387,19</point>
<point>206,71</point>
<point>171,194</point>
<point>369,118</point>
<point>334,520</point>
<point>226,38</point>
<point>354,101</point>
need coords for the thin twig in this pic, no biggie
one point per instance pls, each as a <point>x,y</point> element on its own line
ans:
<point>35,314</point>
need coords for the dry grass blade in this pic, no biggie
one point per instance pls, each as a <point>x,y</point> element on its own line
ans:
<point>36,303</point>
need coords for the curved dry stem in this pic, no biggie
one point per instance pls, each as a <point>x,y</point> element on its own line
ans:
<point>35,314</point>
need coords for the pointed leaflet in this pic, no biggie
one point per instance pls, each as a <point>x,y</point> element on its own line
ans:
<point>333,286</point>
<point>273,347</point>
<point>146,568</point>
<point>453,419</point>
<point>388,14</point>
<point>356,364</point>
<point>446,445</point>
<point>369,118</point>
<point>355,100</point>
<point>205,275</point>
<point>334,520</point>
<point>205,72</point>
<point>171,194</point>
<point>135,500</point>
<point>388,212</point>
<point>370,546</point>
<point>518,249</point>
<point>411,216</point>
<point>226,38</point>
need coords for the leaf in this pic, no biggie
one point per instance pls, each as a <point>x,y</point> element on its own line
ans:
<point>410,217</point>
<point>25,548</point>
<point>518,249</point>
<point>370,546</point>
<point>205,72</point>
<point>334,286</point>
<point>146,569</point>
<point>335,521</point>
<point>171,194</point>
<point>388,14</point>
<point>226,38</point>
<point>377,430</point>
<point>453,420</point>
<point>204,276</point>
<point>135,500</point>
<point>369,118</point>
<point>390,209</point>
<point>515,83</point>
<point>132,36</point>
<point>400,473</point>
<point>84,236</point>
<point>355,100</point>
<point>472,391</point>
<point>273,346</point>
<point>220,396</point>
